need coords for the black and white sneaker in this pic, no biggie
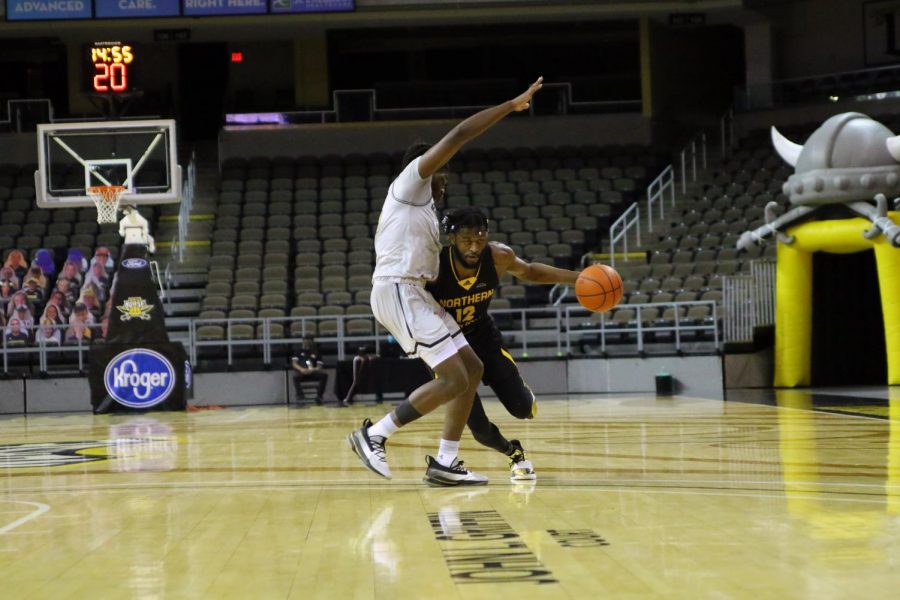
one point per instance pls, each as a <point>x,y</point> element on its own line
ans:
<point>437,475</point>
<point>370,450</point>
<point>520,468</point>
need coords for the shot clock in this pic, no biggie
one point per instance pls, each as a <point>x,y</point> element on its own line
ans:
<point>110,68</point>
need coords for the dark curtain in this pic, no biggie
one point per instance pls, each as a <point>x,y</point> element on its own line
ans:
<point>848,346</point>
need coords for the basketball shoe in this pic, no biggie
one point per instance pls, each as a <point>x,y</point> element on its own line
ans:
<point>437,475</point>
<point>520,467</point>
<point>370,450</point>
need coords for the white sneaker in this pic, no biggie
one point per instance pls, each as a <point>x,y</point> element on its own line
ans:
<point>370,450</point>
<point>437,475</point>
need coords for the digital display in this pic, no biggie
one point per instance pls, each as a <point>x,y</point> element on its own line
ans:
<point>201,8</point>
<point>110,67</point>
<point>129,9</point>
<point>311,6</point>
<point>40,10</point>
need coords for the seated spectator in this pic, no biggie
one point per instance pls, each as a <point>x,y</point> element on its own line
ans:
<point>6,293</point>
<point>98,277</point>
<point>59,300</point>
<point>9,274</point>
<point>23,314</point>
<point>33,291</point>
<point>35,272</point>
<point>15,260</point>
<point>89,299</point>
<point>48,334</point>
<point>79,326</point>
<point>77,258</point>
<point>52,314</point>
<point>102,256</point>
<point>70,271</point>
<point>309,367</point>
<point>65,287</point>
<point>43,258</point>
<point>18,299</point>
<point>16,333</point>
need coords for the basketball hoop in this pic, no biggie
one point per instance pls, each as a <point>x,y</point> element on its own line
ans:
<point>106,199</point>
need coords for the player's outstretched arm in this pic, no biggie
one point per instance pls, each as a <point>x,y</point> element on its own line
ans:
<point>439,154</point>
<point>506,261</point>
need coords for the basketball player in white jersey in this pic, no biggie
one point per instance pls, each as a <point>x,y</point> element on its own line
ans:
<point>407,246</point>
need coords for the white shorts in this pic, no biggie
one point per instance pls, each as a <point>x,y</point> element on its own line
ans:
<point>421,326</point>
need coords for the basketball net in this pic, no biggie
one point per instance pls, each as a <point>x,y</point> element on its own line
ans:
<point>106,199</point>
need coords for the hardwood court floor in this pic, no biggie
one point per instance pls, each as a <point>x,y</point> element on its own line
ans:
<point>637,497</point>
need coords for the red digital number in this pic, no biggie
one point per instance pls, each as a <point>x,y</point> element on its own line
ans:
<point>101,77</point>
<point>110,77</point>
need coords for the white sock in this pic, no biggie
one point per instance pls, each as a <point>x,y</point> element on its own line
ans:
<point>384,428</point>
<point>447,452</point>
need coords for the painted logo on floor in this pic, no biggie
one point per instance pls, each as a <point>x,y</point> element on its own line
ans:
<point>58,454</point>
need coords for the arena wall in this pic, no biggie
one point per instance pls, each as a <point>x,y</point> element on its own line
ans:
<point>694,376</point>
<point>348,138</point>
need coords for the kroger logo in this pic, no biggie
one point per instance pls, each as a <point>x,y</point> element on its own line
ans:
<point>139,378</point>
<point>134,263</point>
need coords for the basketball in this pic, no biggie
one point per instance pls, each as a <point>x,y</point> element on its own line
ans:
<point>599,288</point>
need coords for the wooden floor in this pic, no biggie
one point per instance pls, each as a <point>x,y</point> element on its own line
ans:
<point>637,497</point>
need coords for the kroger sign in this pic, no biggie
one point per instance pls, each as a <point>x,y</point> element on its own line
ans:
<point>139,378</point>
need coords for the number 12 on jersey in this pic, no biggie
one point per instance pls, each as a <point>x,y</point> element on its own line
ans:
<point>465,314</point>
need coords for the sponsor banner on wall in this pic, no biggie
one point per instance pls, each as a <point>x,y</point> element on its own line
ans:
<point>206,8</point>
<point>131,9</point>
<point>40,10</point>
<point>311,6</point>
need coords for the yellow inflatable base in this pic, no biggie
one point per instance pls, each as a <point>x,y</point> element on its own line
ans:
<point>793,295</point>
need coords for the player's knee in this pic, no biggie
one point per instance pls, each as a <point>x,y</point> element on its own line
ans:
<point>474,368</point>
<point>522,407</point>
<point>523,410</point>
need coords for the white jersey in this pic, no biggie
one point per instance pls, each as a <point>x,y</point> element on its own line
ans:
<point>408,240</point>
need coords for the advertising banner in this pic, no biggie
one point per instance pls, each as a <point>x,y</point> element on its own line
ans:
<point>131,9</point>
<point>40,10</point>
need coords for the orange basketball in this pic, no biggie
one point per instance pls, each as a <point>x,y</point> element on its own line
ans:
<point>599,288</point>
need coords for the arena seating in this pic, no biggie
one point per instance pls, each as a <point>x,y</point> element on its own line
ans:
<point>293,236</point>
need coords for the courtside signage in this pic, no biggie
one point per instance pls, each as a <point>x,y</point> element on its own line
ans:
<point>199,8</point>
<point>311,6</point>
<point>129,9</point>
<point>40,10</point>
<point>139,378</point>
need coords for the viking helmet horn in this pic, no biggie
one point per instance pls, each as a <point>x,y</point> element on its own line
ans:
<point>787,149</point>
<point>893,146</point>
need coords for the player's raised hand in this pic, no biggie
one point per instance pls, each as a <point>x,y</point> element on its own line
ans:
<point>523,100</point>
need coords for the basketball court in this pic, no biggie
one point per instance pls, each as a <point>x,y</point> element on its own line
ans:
<point>770,495</point>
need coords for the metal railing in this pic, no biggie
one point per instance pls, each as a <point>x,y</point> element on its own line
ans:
<point>656,194</point>
<point>726,132</point>
<point>748,301</point>
<point>621,227</point>
<point>559,327</point>
<point>696,147</point>
<point>41,346</point>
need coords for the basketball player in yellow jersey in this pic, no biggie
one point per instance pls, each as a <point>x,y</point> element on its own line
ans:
<point>469,273</point>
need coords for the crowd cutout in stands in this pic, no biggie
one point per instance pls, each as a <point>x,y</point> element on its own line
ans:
<point>43,306</point>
